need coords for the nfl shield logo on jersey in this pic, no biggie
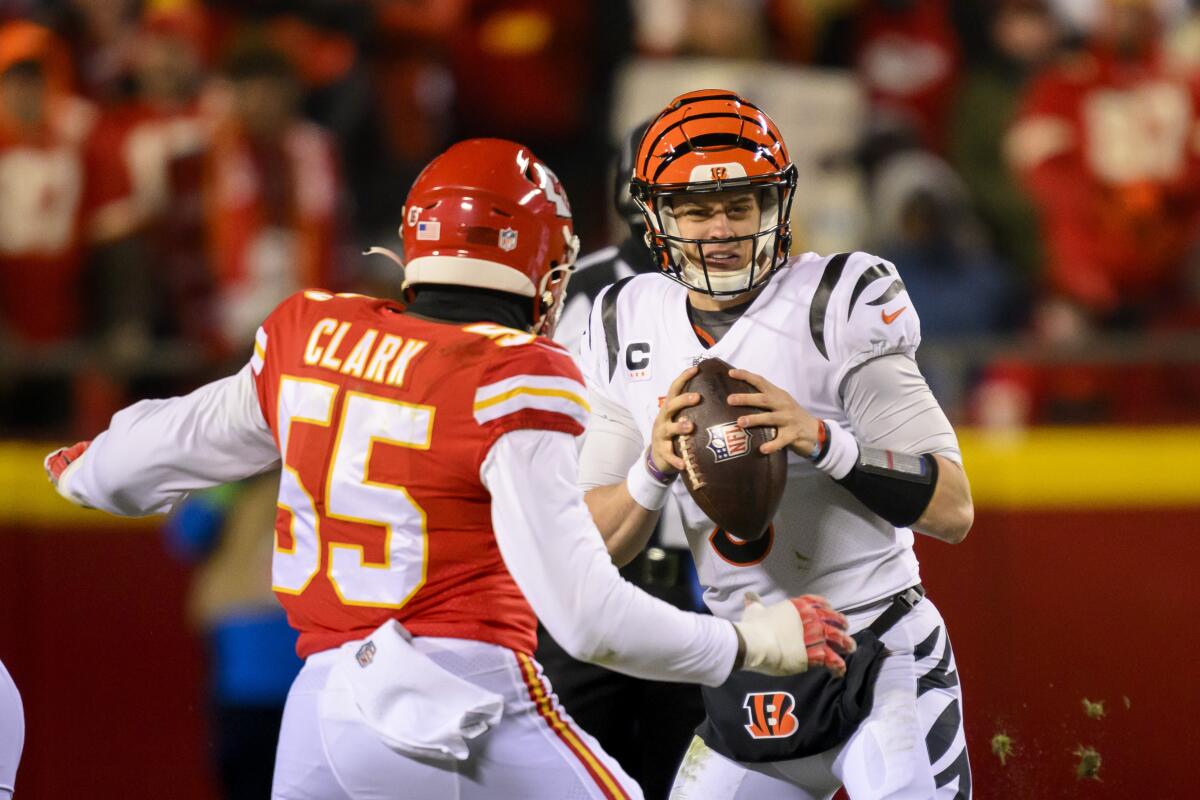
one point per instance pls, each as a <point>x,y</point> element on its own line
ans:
<point>508,239</point>
<point>365,654</point>
<point>728,441</point>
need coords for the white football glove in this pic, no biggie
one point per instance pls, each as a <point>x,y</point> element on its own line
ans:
<point>794,635</point>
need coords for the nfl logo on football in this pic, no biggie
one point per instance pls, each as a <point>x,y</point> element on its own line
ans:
<point>728,441</point>
<point>508,239</point>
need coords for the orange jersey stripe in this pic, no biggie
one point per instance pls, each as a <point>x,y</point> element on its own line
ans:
<point>704,336</point>
<point>541,698</point>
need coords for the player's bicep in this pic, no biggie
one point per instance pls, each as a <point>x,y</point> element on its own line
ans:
<point>890,406</point>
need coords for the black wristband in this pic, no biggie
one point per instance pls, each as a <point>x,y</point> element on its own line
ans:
<point>896,486</point>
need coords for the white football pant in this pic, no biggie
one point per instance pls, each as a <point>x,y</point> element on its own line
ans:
<point>12,732</point>
<point>910,747</point>
<point>534,752</point>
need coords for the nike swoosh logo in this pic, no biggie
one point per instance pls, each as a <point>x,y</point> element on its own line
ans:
<point>888,319</point>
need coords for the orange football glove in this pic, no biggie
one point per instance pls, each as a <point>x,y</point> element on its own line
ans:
<point>825,636</point>
<point>793,636</point>
<point>57,462</point>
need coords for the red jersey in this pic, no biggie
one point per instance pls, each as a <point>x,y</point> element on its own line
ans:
<point>1108,150</point>
<point>383,421</point>
<point>46,200</point>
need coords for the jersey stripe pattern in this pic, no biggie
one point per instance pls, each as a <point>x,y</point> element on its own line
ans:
<point>383,422</point>
<point>519,393</point>
<point>535,385</point>
<point>260,351</point>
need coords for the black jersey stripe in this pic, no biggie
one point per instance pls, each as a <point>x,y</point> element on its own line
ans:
<point>820,301</point>
<point>608,318</point>
<point>925,648</point>
<point>959,768</point>
<point>943,731</point>
<point>866,279</point>
<point>710,115</point>
<point>896,288</point>
<point>939,676</point>
<point>729,140</point>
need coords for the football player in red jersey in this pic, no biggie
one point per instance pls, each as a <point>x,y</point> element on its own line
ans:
<point>428,510</point>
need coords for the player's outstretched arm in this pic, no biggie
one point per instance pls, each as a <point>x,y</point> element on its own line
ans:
<point>157,451</point>
<point>553,552</point>
<point>626,511</point>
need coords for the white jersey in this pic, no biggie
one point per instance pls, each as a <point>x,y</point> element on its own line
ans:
<point>816,321</point>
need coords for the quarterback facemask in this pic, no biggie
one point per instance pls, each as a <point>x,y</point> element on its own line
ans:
<point>706,149</point>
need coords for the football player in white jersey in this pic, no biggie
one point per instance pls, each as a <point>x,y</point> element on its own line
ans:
<point>828,342</point>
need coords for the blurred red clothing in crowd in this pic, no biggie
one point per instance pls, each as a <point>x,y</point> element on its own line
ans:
<point>235,194</point>
<point>1108,145</point>
<point>271,220</point>
<point>908,57</point>
<point>1017,393</point>
<point>523,67</point>
<point>48,194</point>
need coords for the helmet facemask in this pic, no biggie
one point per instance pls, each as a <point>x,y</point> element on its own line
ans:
<point>552,289</point>
<point>771,242</point>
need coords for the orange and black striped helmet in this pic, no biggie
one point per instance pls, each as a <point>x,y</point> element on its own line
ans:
<point>706,141</point>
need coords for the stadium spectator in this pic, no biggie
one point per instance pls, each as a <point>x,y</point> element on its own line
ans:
<point>541,72</point>
<point>47,219</point>
<point>272,190</point>
<point>407,57</point>
<point>1021,36</point>
<point>103,37</point>
<point>1183,41</point>
<point>157,281</point>
<point>1106,143</point>
<point>907,56</point>
<point>923,218</point>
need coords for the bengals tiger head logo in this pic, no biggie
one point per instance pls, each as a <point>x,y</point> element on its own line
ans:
<point>770,715</point>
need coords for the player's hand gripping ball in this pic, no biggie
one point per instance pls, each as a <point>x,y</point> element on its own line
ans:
<point>738,487</point>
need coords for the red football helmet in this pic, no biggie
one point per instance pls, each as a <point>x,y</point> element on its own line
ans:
<point>489,213</point>
<point>713,140</point>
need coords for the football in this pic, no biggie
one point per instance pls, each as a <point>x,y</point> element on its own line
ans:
<point>738,487</point>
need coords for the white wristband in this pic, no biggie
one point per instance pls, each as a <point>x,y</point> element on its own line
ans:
<point>841,454</point>
<point>644,489</point>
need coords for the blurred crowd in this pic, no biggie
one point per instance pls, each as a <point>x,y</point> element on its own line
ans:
<point>172,169</point>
